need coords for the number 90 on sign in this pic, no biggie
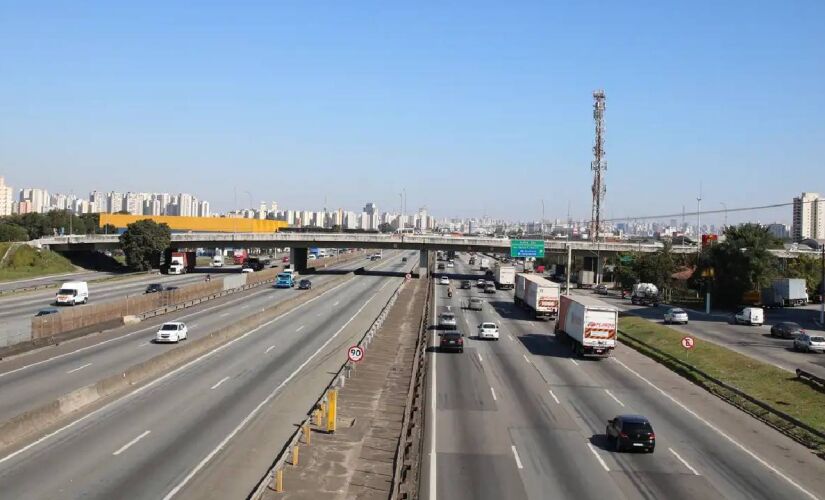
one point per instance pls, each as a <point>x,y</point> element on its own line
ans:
<point>355,354</point>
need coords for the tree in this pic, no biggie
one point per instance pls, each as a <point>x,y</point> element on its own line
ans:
<point>807,267</point>
<point>143,242</point>
<point>12,232</point>
<point>385,227</point>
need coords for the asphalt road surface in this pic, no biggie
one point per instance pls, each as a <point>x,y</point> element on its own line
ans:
<point>521,418</point>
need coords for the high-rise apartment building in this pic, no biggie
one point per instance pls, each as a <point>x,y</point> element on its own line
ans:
<point>6,198</point>
<point>808,217</point>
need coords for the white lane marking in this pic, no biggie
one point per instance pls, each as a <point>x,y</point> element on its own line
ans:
<point>511,337</point>
<point>480,359</point>
<point>220,382</point>
<point>684,462</point>
<point>164,377</point>
<point>193,325</point>
<point>78,368</point>
<point>300,328</point>
<point>269,398</point>
<point>130,443</point>
<point>574,361</point>
<point>494,394</point>
<point>526,358</point>
<point>127,335</point>
<point>515,455</point>
<point>433,399</point>
<point>269,349</point>
<point>224,315</point>
<point>244,306</point>
<point>554,397</point>
<point>598,457</point>
<point>144,344</point>
<point>720,432</point>
<point>335,304</point>
<point>614,398</point>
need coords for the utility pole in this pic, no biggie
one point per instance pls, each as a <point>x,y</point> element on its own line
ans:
<point>726,213</point>
<point>822,289</point>
<point>598,165</point>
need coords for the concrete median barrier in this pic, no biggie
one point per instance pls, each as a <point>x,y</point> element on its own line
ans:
<point>69,405</point>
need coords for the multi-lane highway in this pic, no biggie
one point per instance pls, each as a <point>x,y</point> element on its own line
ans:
<point>519,418</point>
<point>146,444</point>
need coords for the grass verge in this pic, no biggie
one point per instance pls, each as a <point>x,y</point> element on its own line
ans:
<point>27,262</point>
<point>777,388</point>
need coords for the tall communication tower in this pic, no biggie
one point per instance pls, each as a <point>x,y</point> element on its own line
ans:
<point>599,164</point>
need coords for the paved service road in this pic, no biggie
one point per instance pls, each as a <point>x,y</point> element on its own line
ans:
<point>753,341</point>
<point>39,377</point>
<point>146,444</point>
<point>520,418</point>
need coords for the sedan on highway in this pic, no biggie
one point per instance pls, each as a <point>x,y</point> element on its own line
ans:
<point>173,331</point>
<point>247,270</point>
<point>676,315</point>
<point>600,289</point>
<point>451,341</point>
<point>444,280</point>
<point>488,330</point>
<point>786,330</point>
<point>47,311</point>
<point>446,321</point>
<point>480,283</point>
<point>474,304</point>
<point>154,288</point>
<point>304,284</point>
<point>809,343</point>
<point>631,432</point>
<point>465,284</point>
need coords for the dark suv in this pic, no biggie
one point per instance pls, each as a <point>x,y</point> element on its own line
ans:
<point>154,288</point>
<point>451,341</point>
<point>630,432</point>
<point>465,284</point>
<point>786,330</point>
<point>304,285</point>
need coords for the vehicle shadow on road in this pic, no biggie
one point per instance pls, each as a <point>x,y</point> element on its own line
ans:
<point>508,310</point>
<point>546,345</point>
<point>602,442</point>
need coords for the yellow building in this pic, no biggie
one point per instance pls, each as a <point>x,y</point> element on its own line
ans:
<point>198,224</point>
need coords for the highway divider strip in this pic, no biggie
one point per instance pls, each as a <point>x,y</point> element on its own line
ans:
<point>110,388</point>
<point>786,424</point>
<point>103,279</point>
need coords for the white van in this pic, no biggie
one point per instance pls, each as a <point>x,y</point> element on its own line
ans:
<point>217,261</point>
<point>753,316</point>
<point>72,293</point>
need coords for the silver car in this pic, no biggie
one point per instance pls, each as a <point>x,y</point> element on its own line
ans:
<point>447,321</point>
<point>809,343</point>
<point>676,315</point>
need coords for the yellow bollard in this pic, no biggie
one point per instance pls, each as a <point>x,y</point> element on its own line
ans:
<point>278,481</point>
<point>307,434</point>
<point>295,455</point>
<point>332,398</point>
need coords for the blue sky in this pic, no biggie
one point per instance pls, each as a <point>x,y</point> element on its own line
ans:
<point>473,107</point>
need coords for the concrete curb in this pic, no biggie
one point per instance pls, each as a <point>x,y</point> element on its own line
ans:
<point>40,419</point>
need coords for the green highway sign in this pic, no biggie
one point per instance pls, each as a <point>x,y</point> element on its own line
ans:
<point>526,248</point>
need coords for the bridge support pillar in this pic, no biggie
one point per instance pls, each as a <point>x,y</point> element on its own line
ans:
<point>424,263</point>
<point>298,258</point>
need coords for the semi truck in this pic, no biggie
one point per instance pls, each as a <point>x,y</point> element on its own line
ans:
<point>504,276</point>
<point>645,294</point>
<point>181,262</point>
<point>586,279</point>
<point>538,295</point>
<point>484,263</point>
<point>589,324</point>
<point>785,292</point>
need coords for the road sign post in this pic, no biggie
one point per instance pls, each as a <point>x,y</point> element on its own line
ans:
<point>688,343</point>
<point>526,248</point>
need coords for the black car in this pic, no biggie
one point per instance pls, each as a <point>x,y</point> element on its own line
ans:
<point>631,432</point>
<point>440,266</point>
<point>451,341</point>
<point>154,288</point>
<point>403,259</point>
<point>465,284</point>
<point>304,285</point>
<point>786,330</point>
<point>47,311</point>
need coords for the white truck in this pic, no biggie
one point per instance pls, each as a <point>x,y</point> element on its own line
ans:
<point>504,276</point>
<point>586,279</point>
<point>484,263</point>
<point>538,295</point>
<point>589,323</point>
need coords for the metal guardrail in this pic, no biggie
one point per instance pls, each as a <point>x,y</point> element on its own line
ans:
<point>793,421</point>
<point>338,380</point>
<point>810,378</point>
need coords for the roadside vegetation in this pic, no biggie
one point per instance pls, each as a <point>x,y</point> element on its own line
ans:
<point>23,261</point>
<point>762,381</point>
<point>143,243</point>
<point>35,225</point>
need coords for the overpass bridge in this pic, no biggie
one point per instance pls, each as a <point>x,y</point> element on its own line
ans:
<point>299,243</point>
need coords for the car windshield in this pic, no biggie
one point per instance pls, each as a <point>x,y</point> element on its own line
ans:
<point>169,327</point>
<point>817,339</point>
<point>451,335</point>
<point>283,276</point>
<point>475,299</point>
<point>677,311</point>
<point>790,326</point>
<point>636,426</point>
<point>448,316</point>
<point>488,325</point>
<point>67,291</point>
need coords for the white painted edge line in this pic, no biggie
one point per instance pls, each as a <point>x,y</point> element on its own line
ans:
<point>300,328</point>
<point>526,358</point>
<point>335,304</point>
<point>221,381</point>
<point>515,455</point>
<point>614,397</point>
<point>162,378</point>
<point>574,361</point>
<point>511,337</point>
<point>269,398</point>
<point>130,443</point>
<point>480,359</point>
<point>554,396</point>
<point>598,457</point>
<point>494,394</point>
<point>684,462</point>
<point>269,349</point>
<point>224,315</point>
<point>433,475</point>
<point>719,431</point>
<point>78,368</point>
<point>144,344</point>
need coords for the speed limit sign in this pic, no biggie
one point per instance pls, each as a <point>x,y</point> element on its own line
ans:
<point>355,354</point>
<point>688,342</point>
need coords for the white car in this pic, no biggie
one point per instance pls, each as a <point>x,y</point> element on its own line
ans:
<point>447,321</point>
<point>247,270</point>
<point>174,331</point>
<point>450,264</point>
<point>676,315</point>
<point>809,343</point>
<point>444,280</point>
<point>488,330</point>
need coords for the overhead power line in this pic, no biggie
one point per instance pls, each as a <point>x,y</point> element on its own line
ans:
<point>707,212</point>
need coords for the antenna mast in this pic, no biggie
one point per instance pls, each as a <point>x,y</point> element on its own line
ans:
<point>599,164</point>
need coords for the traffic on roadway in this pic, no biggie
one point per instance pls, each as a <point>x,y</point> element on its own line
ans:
<point>525,418</point>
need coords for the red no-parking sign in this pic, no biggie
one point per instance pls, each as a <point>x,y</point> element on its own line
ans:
<point>688,342</point>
